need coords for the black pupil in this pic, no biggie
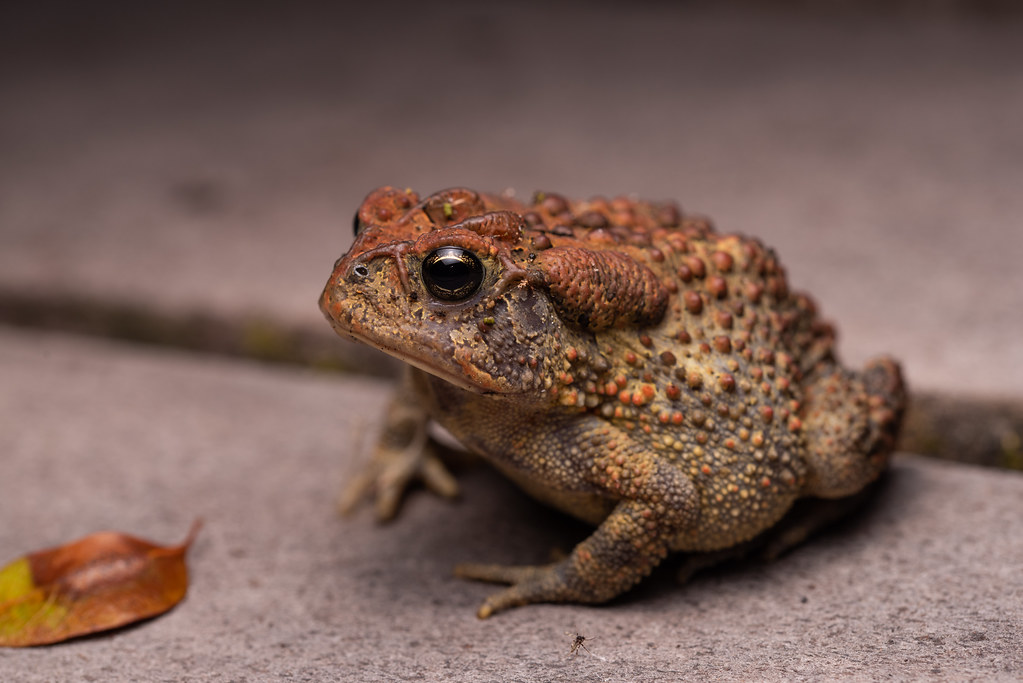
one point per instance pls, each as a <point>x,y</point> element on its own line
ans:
<point>452,273</point>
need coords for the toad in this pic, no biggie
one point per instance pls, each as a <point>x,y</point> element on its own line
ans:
<point>619,360</point>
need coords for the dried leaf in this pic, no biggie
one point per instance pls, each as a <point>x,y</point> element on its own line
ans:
<point>96,583</point>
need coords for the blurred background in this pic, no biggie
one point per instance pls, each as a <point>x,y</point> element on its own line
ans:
<point>170,169</point>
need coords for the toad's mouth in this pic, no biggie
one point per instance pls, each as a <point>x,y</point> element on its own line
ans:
<point>437,362</point>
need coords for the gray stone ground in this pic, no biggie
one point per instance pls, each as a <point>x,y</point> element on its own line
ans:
<point>97,435</point>
<point>196,158</point>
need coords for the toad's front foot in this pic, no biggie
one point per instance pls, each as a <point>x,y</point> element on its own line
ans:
<point>529,584</point>
<point>623,550</point>
<point>404,454</point>
<point>390,472</point>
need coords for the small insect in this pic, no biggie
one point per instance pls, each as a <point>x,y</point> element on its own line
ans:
<point>579,641</point>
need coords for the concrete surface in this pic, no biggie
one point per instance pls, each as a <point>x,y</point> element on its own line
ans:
<point>206,159</point>
<point>95,435</point>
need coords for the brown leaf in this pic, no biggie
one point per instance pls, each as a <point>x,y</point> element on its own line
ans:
<point>96,583</point>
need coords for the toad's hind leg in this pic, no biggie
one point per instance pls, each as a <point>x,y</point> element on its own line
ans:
<point>806,518</point>
<point>851,421</point>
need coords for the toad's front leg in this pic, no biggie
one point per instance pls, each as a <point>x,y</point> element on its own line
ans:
<point>658,503</point>
<point>404,454</point>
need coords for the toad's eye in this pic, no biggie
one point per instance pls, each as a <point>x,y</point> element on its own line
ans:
<point>452,273</point>
<point>355,224</point>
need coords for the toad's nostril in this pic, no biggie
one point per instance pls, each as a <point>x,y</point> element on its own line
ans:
<point>360,271</point>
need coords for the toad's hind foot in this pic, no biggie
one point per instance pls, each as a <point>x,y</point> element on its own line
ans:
<point>852,420</point>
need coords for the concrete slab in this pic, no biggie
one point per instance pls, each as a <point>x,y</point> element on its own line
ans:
<point>208,158</point>
<point>95,435</point>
